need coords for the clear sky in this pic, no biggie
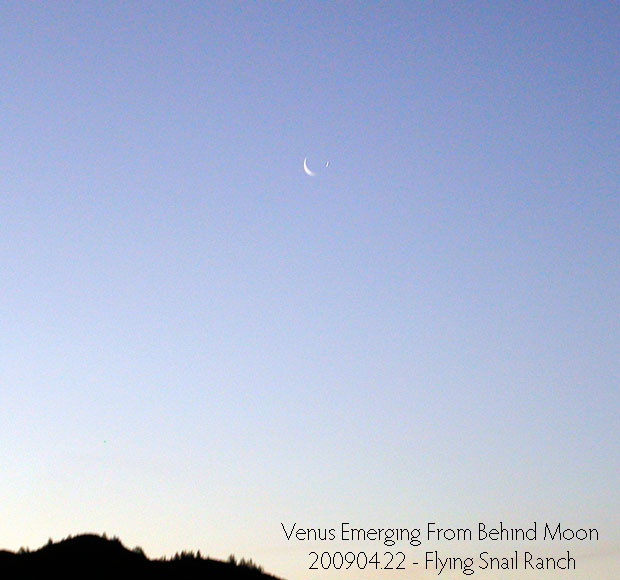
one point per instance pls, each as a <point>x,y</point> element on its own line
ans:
<point>198,341</point>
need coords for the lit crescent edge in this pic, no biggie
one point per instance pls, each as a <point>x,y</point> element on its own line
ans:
<point>308,172</point>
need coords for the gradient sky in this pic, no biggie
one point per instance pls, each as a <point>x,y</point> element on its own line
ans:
<point>199,342</point>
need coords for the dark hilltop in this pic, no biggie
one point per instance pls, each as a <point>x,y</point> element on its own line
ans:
<point>93,556</point>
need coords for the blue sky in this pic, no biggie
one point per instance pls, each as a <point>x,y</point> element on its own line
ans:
<point>199,341</point>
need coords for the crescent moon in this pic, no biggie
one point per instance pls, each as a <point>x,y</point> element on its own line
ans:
<point>308,172</point>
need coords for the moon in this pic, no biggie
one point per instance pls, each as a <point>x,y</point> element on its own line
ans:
<point>306,169</point>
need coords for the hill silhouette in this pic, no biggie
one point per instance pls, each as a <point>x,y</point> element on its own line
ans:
<point>93,556</point>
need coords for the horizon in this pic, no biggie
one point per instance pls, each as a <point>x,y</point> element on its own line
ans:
<point>232,558</point>
<point>202,344</point>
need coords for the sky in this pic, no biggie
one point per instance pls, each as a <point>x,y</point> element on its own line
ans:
<point>199,342</point>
